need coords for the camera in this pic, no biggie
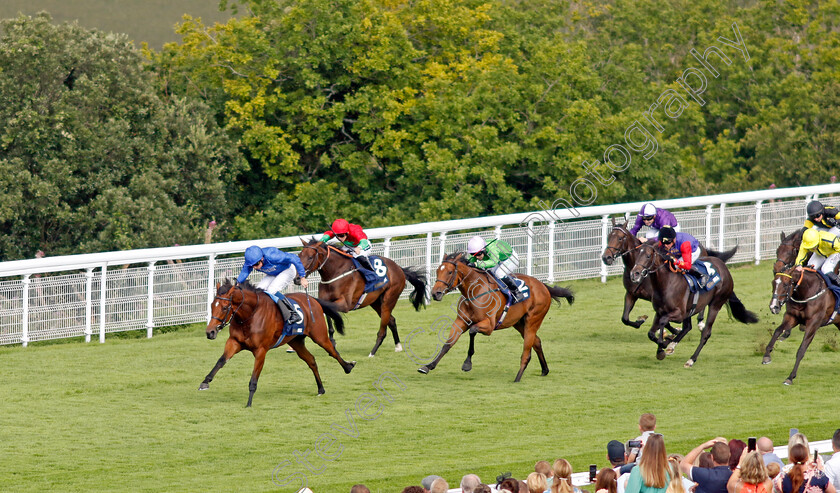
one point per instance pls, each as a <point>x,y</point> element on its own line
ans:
<point>593,472</point>
<point>634,444</point>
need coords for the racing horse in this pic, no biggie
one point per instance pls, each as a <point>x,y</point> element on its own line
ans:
<point>482,308</point>
<point>807,302</point>
<point>672,299</point>
<point>786,254</point>
<point>257,325</point>
<point>342,284</point>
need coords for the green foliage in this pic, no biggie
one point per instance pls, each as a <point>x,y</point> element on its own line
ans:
<point>91,158</point>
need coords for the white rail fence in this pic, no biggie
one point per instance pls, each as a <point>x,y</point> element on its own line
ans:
<point>83,295</point>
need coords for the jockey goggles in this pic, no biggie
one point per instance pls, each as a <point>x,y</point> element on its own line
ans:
<point>648,218</point>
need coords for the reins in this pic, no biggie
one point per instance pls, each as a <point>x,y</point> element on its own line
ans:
<point>327,257</point>
<point>225,323</point>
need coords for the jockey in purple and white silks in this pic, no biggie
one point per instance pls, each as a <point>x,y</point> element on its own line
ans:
<point>654,218</point>
<point>280,269</point>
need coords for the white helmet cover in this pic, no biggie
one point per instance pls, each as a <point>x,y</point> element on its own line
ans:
<point>649,210</point>
<point>476,245</point>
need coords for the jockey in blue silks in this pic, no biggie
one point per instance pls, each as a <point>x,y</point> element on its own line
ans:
<point>654,218</point>
<point>280,269</point>
<point>684,248</point>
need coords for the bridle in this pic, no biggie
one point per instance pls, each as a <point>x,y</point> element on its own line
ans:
<point>646,271</point>
<point>618,252</point>
<point>227,316</point>
<point>326,257</point>
<point>451,284</point>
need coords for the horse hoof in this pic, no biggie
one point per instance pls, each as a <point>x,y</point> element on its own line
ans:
<point>544,373</point>
<point>370,355</point>
<point>670,349</point>
<point>642,319</point>
<point>204,386</point>
<point>660,354</point>
<point>689,363</point>
<point>349,367</point>
<point>424,370</point>
<point>788,381</point>
<point>398,348</point>
<point>466,366</point>
<point>290,350</point>
<point>766,360</point>
<point>321,392</point>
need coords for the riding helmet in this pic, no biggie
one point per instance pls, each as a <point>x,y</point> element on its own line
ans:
<point>340,227</point>
<point>667,233</point>
<point>649,210</point>
<point>814,209</point>
<point>476,245</point>
<point>810,239</point>
<point>253,255</point>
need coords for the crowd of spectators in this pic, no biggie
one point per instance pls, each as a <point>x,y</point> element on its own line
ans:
<point>644,466</point>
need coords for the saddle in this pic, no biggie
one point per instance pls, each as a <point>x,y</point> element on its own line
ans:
<point>292,329</point>
<point>373,281</point>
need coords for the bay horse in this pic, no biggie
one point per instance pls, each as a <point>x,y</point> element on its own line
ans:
<point>342,284</point>
<point>787,251</point>
<point>807,302</point>
<point>672,299</point>
<point>257,326</point>
<point>481,309</point>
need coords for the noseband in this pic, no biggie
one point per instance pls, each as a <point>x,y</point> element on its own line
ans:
<point>317,252</point>
<point>228,316</point>
<point>645,271</point>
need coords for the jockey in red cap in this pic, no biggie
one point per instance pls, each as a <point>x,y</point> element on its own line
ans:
<point>353,239</point>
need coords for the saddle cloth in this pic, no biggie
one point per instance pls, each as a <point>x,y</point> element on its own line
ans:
<point>294,329</point>
<point>709,271</point>
<point>374,279</point>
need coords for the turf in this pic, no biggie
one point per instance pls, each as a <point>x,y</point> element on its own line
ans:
<point>127,415</point>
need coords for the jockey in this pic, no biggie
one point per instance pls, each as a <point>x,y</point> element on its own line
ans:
<point>684,248</point>
<point>280,269</point>
<point>826,248</point>
<point>823,218</point>
<point>497,257</point>
<point>354,241</point>
<point>654,219</point>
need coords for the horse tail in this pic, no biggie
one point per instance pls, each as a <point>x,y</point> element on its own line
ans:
<point>740,312</point>
<point>723,256</point>
<point>414,277</point>
<point>557,292</point>
<point>332,312</point>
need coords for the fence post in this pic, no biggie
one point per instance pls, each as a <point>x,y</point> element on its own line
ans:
<point>442,237</point>
<point>428,297</point>
<point>24,336</point>
<point>529,269</point>
<point>605,222</point>
<point>150,300</point>
<point>211,284</point>
<point>721,228</point>
<point>88,303</point>
<point>757,232</point>
<point>551,227</point>
<point>708,225</point>
<point>102,303</point>
<point>386,251</point>
<point>498,231</point>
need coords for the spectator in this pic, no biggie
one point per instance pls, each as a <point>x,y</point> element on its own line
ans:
<point>482,488</point>
<point>709,480</point>
<point>536,482</point>
<point>647,425</point>
<point>562,481</point>
<point>359,488</point>
<point>544,468</point>
<point>750,475</point>
<point>675,483</point>
<point>523,487</point>
<point>705,460</point>
<point>606,481</point>
<point>414,489</point>
<point>805,474</point>
<point>765,446</point>
<point>688,485</point>
<point>616,454</point>
<point>510,485</point>
<point>439,486</point>
<point>736,448</point>
<point>796,438</point>
<point>208,235</point>
<point>773,470</point>
<point>427,482</point>
<point>651,473</point>
<point>832,467</point>
<point>469,483</point>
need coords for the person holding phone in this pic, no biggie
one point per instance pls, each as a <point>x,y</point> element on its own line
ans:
<point>651,475</point>
<point>709,480</point>
<point>750,476</point>
<point>806,476</point>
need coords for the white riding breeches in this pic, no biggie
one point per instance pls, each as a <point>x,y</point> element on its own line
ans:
<point>835,230</point>
<point>824,265</point>
<point>507,267</point>
<point>653,233</point>
<point>274,284</point>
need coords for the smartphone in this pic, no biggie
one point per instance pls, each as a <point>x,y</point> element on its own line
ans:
<point>815,456</point>
<point>593,471</point>
<point>794,431</point>
<point>750,444</point>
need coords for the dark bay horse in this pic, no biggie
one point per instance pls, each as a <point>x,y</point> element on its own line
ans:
<point>807,303</point>
<point>257,326</point>
<point>343,285</point>
<point>787,250</point>
<point>481,307</point>
<point>672,299</point>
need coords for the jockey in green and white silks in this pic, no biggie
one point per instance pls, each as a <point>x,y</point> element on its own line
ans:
<point>353,239</point>
<point>498,257</point>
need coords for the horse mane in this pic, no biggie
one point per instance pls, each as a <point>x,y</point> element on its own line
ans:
<point>456,257</point>
<point>228,285</point>
<point>794,236</point>
<point>313,242</point>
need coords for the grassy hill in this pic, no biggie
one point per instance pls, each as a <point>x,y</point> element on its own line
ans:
<point>152,21</point>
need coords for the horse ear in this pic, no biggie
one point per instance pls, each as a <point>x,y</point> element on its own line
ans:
<point>613,221</point>
<point>302,242</point>
<point>783,236</point>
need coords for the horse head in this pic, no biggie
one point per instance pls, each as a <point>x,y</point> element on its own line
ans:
<point>648,260</point>
<point>786,251</point>
<point>314,255</point>
<point>229,299</point>
<point>782,289</point>
<point>448,275</point>
<point>619,242</point>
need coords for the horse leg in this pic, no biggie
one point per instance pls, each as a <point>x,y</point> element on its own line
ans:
<point>231,347</point>
<point>331,331</point>
<point>529,334</point>
<point>659,322</point>
<point>300,348</point>
<point>259,361</point>
<point>705,334</point>
<point>686,328</point>
<point>320,339</point>
<point>788,322</point>
<point>385,320</point>
<point>629,303</point>
<point>810,331</point>
<point>455,332</point>
<point>467,366</point>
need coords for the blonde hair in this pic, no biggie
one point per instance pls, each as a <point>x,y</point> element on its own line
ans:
<point>536,482</point>
<point>654,462</point>
<point>562,482</point>
<point>676,484</point>
<point>752,468</point>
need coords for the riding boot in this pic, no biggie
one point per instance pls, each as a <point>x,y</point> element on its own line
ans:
<point>287,310</point>
<point>702,278</point>
<point>365,262</point>
<point>834,278</point>
<point>513,288</point>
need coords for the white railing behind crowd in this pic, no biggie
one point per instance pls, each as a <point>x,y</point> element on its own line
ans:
<point>158,287</point>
